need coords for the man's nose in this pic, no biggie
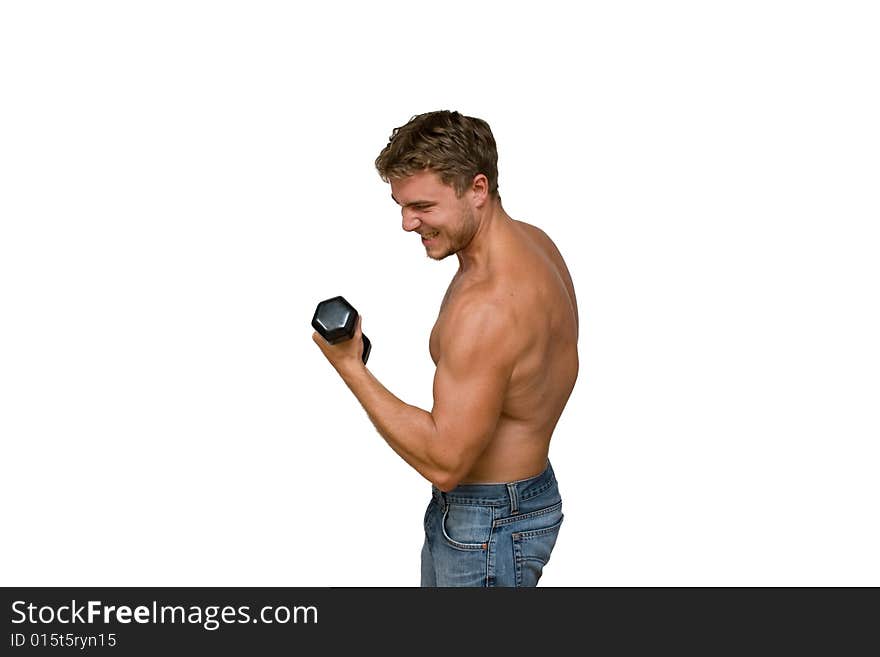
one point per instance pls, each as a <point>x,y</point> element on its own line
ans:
<point>411,222</point>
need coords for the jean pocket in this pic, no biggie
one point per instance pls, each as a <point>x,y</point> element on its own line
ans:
<point>531,552</point>
<point>466,526</point>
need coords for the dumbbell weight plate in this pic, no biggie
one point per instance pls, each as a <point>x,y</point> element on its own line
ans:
<point>335,320</point>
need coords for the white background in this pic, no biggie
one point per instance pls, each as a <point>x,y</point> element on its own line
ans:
<point>182,182</point>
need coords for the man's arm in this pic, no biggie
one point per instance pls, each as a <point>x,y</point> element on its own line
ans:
<point>473,371</point>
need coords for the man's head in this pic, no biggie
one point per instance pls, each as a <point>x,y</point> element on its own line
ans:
<point>443,169</point>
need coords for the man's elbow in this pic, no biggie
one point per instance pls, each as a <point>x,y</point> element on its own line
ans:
<point>449,476</point>
<point>452,459</point>
<point>446,482</point>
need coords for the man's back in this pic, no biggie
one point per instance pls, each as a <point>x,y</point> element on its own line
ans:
<point>528,275</point>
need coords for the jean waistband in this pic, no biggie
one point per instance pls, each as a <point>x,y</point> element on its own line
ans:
<point>498,494</point>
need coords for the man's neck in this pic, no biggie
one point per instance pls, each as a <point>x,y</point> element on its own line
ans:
<point>491,227</point>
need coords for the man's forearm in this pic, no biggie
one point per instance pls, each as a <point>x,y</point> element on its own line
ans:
<point>409,430</point>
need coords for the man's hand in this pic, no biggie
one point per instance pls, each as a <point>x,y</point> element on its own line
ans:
<point>345,355</point>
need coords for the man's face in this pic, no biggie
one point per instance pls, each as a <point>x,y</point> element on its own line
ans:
<point>445,222</point>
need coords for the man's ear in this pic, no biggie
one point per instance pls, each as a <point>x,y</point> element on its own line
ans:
<point>480,189</point>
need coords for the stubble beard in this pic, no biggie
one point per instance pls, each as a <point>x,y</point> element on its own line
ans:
<point>460,238</point>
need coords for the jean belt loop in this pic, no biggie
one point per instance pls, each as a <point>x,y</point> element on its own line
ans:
<point>513,494</point>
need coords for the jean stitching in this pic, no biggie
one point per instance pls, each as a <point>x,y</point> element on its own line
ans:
<point>534,533</point>
<point>431,506</point>
<point>490,552</point>
<point>529,494</point>
<point>526,516</point>
<point>517,561</point>
<point>475,501</point>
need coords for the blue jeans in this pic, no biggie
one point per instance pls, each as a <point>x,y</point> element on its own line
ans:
<point>491,534</point>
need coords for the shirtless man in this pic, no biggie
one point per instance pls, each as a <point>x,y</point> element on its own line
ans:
<point>505,350</point>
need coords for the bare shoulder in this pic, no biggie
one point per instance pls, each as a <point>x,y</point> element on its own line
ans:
<point>531,228</point>
<point>480,303</point>
<point>541,239</point>
<point>481,316</point>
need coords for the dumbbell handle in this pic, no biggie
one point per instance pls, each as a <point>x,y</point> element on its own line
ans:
<point>367,347</point>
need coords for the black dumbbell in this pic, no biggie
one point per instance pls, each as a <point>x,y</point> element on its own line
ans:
<point>335,319</point>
